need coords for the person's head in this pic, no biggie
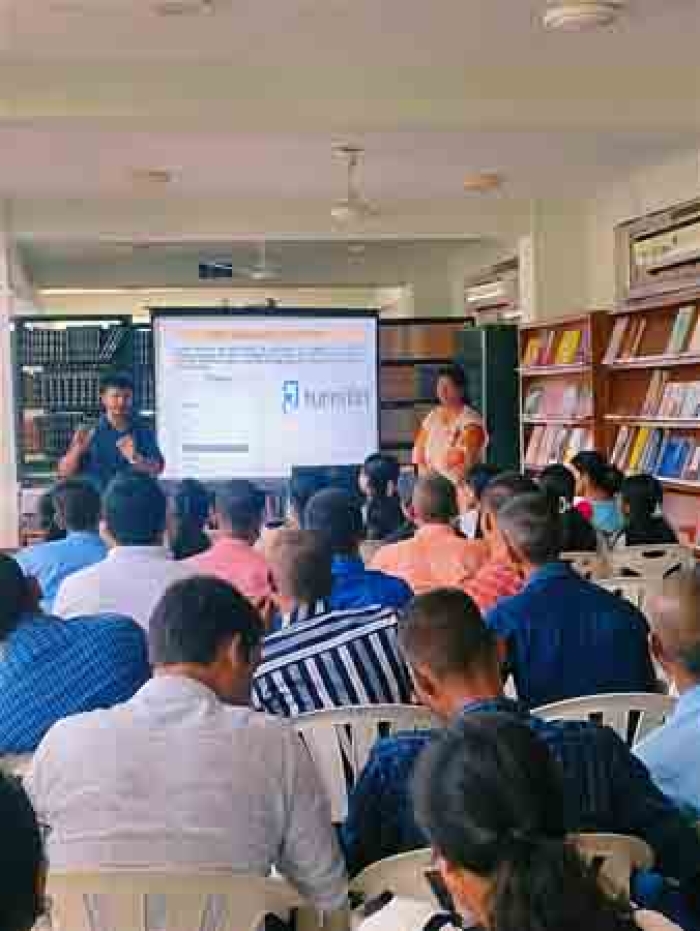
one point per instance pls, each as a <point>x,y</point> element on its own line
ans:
<point>77,505</point>
<point>434,500</point>
<point>300,565</point>
<point>22,859</point>
<point>674,611</point>
<point>48,525</point>
<point>188,513</point>
<point>379,476</point>
<point>240,507</point>
<point>204,629</point>
<point>336,515</point>
<point>17,595</point>
<point>469,491</point>
<point>302,487</point>
<point>490,798</point>
<point>642,498</point>
<point>452,386</point>
<point>595,476</point>
<point>530,526</point>
<point>499,491</point>
<point>117,395</point>
<point>560,484</point>
<point>134,511</point>
<point>450,651</point>
<point>406,487</point>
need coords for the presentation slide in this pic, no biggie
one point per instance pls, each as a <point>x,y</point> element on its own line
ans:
<point>250,396</point>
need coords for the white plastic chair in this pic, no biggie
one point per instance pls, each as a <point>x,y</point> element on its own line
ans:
<point>616,857</point>
<point>632,590</point>
<point>632,715</point>
<point>124,900</point>
<point>650,562</point>
<point>340,741</point>
<point>588,565</point>
<point>16,764</point>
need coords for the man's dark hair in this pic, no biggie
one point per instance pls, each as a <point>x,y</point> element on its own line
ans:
<point>119,380</point>
<point>21,858</point>
<point>134,510</point>
<point>241,505</point>
<point>435,499</point>
<point>14,595</point>
<point>77,503</point>
<point>301,564</point>
<point>504,487</point>
<point>559,482</point>
<point>380,470</point>
<point>336,514</point>
<point>531,523</point>
<point>195,617</point>
<point>444,631</point>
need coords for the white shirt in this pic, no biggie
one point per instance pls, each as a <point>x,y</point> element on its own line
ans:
<point>130,581</point>
<point>174,778</point>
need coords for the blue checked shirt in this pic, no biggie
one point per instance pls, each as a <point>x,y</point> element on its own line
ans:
<point>338,658</point>
<point>51,669</point>
<point>357,587</point>
<point>606,789</point>
<point>50,563</point>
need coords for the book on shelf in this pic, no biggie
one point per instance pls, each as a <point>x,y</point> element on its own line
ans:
<point>533,401</point>
<point>616,339</point>
<point>532,351</point>
<point>681,330</point>
<point>558,400</point>
<point>692,469</point>
<point>632,339</point>
<point>568,349</point>
<point>655,393</point>
<point>677,453</point>
<point>638,448</point>
<point>551,444</point>
<point>547,350</point>
<point>693,346</point>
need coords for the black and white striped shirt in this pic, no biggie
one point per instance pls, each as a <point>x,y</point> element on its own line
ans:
<point>335,659</point>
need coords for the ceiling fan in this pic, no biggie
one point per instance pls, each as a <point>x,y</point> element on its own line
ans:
<point>353,207</point>
<point>260,270</point>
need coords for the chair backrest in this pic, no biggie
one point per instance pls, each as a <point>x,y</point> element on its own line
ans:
<point>615,857</point>
<point>16,764</point>
<point>588,565</point>
<point>340,741</point>
<point>123,900</point>
<point>632,590</point>
<point>650,562</point>
<point>632,715</point>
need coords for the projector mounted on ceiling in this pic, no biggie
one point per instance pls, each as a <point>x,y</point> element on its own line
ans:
<point>353,207</point>
<point>579,15</point>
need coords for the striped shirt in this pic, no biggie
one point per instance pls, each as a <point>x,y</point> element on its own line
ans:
<point>336,659</point>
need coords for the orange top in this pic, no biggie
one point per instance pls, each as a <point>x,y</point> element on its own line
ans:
<point>434,558</point>
<point>450,443</point>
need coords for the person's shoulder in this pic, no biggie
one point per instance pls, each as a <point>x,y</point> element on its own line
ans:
<point>105,625</point>
<point>396,755</point>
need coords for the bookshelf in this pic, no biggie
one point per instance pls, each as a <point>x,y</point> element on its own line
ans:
<point>411,352</point>
<point>563,390</point>
<point>653,366</point>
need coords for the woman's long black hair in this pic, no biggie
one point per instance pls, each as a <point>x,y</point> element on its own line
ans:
<point>190,504</point>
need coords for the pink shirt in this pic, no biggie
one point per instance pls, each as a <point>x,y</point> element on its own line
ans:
<point>237,563</point>
<point>434,558</point>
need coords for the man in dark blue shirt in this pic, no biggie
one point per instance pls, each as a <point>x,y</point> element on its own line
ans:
<point>564,636</point>
<point>453,659</point>
<point>120,442</point>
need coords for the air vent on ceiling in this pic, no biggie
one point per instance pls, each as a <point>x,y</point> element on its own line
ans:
<point>580,15</point>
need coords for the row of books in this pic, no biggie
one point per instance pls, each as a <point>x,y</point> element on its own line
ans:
<point>74,390</point>
<point>422,341</point>
<point>657,451</point>
<point>556,347</point>
<point>550,444</point>
<point>558,400</point>
<point>628,334</point>
<point>665,398</point>
<point>74,345</point>
<point>49,435</point>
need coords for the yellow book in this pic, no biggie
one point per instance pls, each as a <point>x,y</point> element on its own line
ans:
<point>638,448</point>
<point>568,347</point>
<point>532,351</point>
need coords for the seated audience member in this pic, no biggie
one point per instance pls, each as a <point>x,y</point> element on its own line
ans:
<point>564,636</point>
<point>138,568</point>
<point>302,487</point>
<point>490,799</point>
<point>405,488</point>
<point>642,509</point>
<point>453,660</point>
<point>51,668</point>
<point>378,481</point>
<point>48,525</point>
<point>337,516</point>
<point>672,753</point>
<point>497,578</point>
<point>185,775</point>
<point>327,659</point>
<point>469,494</point>
<point>239,513</point>
<point>578,534</point>
<point>22,861</point>
<point>436,555</point>
<point>77,508</point>
<point>598,484</point>
<point>188,514</point>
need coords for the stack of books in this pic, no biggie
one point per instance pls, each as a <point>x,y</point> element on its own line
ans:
<point>625,339</point>
<point>657,452</point>
<point>672,400</point>
<point>551,444</point>
<point>555,347</point>
<point>628,334</point>
<point>558,400</point>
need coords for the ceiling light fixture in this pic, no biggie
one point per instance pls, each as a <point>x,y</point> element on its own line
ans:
<point>176,8</point>
<point>151,177</point>
<point>484,181</point>
<point>582,15</point>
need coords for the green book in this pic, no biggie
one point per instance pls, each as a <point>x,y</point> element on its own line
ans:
<point>681,330</point>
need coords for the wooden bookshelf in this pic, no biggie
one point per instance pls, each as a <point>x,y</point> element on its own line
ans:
<point>563,389</point>
<point>411,352</point>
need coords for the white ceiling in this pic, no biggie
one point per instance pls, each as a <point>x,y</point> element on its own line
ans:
<point>243,106</point>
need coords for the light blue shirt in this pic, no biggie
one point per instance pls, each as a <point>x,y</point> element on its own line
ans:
<point>51,563</point>
<point>672,753</point>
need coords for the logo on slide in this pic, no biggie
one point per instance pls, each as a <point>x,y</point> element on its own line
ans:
<point>290,396</point>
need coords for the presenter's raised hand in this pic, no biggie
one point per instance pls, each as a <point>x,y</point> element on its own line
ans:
<point>127,447</point>
<point>82,439</point>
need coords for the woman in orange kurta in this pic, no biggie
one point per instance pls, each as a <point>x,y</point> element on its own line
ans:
<point>452,438</point>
